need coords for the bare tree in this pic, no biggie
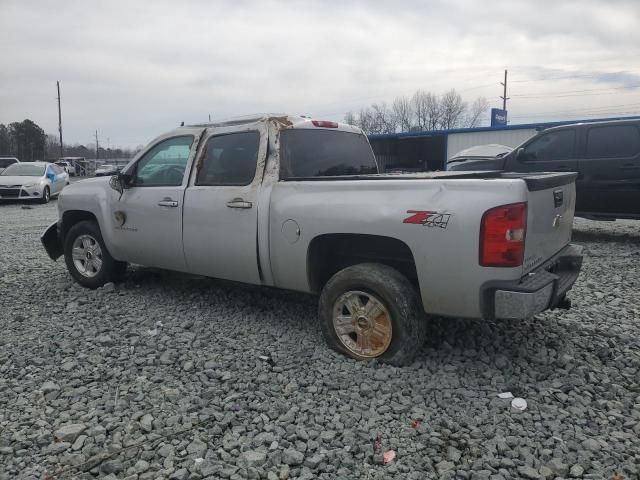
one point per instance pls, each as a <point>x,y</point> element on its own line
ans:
<point>350,118</point>
<point>474,115</point>
<point>423,111</point>
<point>383,118</point>
<point>403,113</point>
<point>452,109</point>
<point>366,121</point>
<point>427,111</point>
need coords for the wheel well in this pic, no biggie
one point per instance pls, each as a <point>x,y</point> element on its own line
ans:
<point>71,217</point>
<point>328,254</point>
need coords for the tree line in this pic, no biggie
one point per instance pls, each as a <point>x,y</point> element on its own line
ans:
<point>28,143</point>
<point>419,112</point>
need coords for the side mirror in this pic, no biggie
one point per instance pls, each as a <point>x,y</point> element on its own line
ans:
<point>117,183</point>
<point>520,154</point>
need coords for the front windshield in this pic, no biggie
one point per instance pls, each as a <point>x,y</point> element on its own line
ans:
<point>23,170</point>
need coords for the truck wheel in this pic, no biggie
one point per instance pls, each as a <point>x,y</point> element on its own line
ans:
<point>372,311</point>
<point>88,259</point>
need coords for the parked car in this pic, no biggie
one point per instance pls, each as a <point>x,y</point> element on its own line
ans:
<point>298,204</point>
<point>6,161</point>
<point>104,170</point>
<point>66,166</point>
<point>38,181</point>
<point>606,156</point>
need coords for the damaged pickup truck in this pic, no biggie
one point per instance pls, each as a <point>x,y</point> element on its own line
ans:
<point>295,203</point>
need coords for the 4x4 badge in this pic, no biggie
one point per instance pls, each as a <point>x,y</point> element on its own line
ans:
<point>428,219</point>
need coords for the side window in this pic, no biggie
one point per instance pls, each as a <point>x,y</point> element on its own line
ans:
<point>164,164</point>
<point>229,159</point>
<point>613,141</point>
<point>56,169</point>
<point>558,145</point>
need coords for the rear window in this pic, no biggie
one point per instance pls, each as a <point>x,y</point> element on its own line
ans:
<point>5,162</point>
<point>324,153</point>
<point>613,141</point>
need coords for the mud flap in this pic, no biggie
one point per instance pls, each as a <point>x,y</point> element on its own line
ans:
<point>51,242</point>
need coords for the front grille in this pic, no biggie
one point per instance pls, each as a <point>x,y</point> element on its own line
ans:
<point>9,192</point>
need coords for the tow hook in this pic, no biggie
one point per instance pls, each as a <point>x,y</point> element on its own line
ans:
<point>564,304</point>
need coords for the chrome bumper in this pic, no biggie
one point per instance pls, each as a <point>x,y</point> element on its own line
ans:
<point>544,288</point>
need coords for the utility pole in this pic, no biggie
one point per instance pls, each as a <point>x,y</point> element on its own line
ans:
<point>60,121</point>
<point>97,146</point>
<point>504,96</point>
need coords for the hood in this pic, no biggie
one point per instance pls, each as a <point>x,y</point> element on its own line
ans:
<point>490,163</point>
<point>19,180</point>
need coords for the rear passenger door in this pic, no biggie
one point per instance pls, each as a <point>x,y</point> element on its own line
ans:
<point>553,151</point>
<point>611,169</point>
<point>220,216</point>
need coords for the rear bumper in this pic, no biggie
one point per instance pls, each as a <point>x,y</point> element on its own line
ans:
<point>542,289</point>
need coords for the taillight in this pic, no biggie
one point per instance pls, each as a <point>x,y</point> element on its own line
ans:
<point>324,124</point>
<point>502,233</point>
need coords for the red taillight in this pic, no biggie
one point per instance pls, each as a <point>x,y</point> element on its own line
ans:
<point>324,124</point>
<point>502,233</point>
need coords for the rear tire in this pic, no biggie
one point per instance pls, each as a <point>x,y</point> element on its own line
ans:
<point>372,311</point>
<point>87,258</point>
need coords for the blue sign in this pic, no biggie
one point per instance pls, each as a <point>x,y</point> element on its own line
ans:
<point>498,117</point>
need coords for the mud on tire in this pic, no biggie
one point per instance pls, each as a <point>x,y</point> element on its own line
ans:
<point>391,289</point>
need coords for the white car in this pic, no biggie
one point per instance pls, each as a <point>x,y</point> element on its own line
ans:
<point>66,166</point>
<point>32,181</point>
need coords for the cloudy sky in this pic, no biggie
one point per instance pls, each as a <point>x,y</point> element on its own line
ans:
<point>133,69</point>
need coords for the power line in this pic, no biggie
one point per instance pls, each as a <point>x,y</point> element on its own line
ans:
<point>579,114</point>
<point>578,93</point>
<point>572,76</point>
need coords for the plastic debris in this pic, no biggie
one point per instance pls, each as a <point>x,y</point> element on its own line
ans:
<point>388,456</point>
<point>416,423</point>
<point>505,395</point>
<point>519,404</point>
<point>377,445</point>
<point>267,359</point>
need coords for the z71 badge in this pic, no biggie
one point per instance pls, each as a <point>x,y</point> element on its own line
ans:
<point>428,219</point>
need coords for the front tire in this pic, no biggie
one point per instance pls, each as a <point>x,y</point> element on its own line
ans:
<point>46,195</point>
<point>372,311</point>
<point>87,257</point>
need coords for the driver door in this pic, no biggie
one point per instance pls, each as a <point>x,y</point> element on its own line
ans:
<point>151,234</point>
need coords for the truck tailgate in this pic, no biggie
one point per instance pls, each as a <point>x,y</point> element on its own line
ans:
<point>551,204</point>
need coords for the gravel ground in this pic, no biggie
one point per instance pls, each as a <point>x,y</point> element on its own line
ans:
<point>177,377</point>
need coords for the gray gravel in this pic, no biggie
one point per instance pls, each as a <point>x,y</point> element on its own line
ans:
<point>178,377</point>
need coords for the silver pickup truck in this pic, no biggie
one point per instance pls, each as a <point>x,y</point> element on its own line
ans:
<point>299,204</point>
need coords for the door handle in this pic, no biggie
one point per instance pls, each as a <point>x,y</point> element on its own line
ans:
<point>167,202</point>
<point>239,203</point>
<point>562,169</point>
